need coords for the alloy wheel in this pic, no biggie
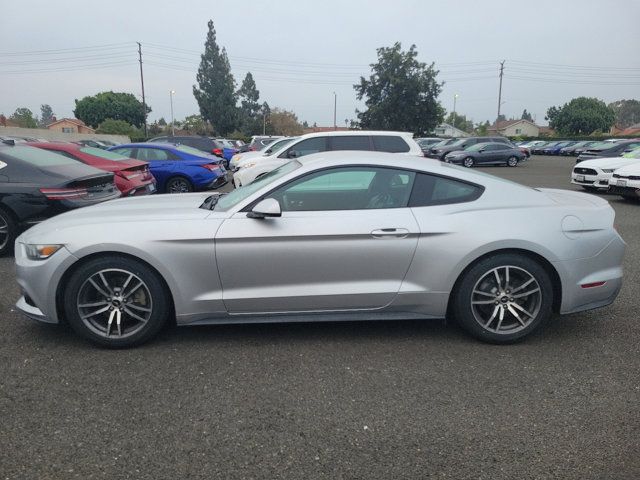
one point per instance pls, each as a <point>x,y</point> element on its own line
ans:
<point>512,161</point>
<point>4,232</point>
<point>506,299</point>
<point>468,162</point>
<point>114,303</point>
<point>179,185</point>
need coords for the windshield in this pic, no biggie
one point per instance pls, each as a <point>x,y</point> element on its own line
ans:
<point>107,155</point>
<point>633,154</point>
<point>460,141</point>
<point>275,146</point>
<point>36,156</point>
<point>233,198</point>
<point>191,151</point>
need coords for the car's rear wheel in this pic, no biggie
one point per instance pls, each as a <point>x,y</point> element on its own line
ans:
<point>116,302</point>
<point>468,162</point>
<point>178,185</point>
<point>8,232</point>
<point>512,162</point>
<point>503,298</point>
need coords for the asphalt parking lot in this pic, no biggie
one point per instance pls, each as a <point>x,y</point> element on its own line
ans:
<point>335,400</point>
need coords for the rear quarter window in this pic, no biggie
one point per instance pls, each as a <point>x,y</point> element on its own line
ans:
<point>390,143</point>
<point>429,190</point>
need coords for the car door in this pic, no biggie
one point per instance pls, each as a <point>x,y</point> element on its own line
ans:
<point>345,241</point>
<point>501,152</point>
<point>161,162</point>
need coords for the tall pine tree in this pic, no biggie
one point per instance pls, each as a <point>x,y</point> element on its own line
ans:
<point>215,92</point>
<point>248,94</point>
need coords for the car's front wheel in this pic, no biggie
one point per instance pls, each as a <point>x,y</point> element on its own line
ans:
<point>468,162</point>
<point>503,298</point>
<point>7,232</point>
<point>116,301</point>
<point>512,161</point>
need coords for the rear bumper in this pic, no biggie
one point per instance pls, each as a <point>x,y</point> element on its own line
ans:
<point>605,267</point>
<point>217,182</point>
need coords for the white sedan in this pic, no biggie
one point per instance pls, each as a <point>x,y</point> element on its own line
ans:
<point>626,182</point>
<point>595,174</point>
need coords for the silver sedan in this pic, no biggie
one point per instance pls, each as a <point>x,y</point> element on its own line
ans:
<point>331,236</point>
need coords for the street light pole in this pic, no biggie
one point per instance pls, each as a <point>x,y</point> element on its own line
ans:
<point>171,92</point>
<point>335,104</point>
<point>455,97</point>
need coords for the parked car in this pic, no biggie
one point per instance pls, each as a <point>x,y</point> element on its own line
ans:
<point>91,143</point>
<point>36,185</point>
<point>228,149</point>
<point>177,168</point>
<point>555,150</point>
<point>595,174</point>
<point>204,144</point>
<point>242,158</point>
<point>625,182</point>
<point>440,152</point>
<point>492,153</point>
<point>427,142</point>
<point>381,141</point>
<point>132,177</point>
<point>570,149</point>
<point>538,149</point>
<point>260,142</point>
<point>332,236</point>
<point>533,144</point>
<point>608,149</point>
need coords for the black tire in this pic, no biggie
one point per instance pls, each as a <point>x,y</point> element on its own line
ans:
<point>512,162</point>
<point>470,317</point>
<point>468,162</point>
<point>154,292</point>
<point>8,233</point>
<point>178,185</point>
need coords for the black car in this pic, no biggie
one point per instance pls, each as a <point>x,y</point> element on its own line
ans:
<point>440,152</point>
<point>204,144</point>
<point>608,149</point>
<point>36,184</point>
<point>492,153</point>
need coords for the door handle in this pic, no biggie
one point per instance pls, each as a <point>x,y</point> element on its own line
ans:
<point>390,233</point>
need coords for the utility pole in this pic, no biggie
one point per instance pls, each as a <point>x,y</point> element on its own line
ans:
<point>173,131</point>
<point>500,91</point>
<point>264,123</point>
<point>335,104</point>
<point>144,103</point>
<point>455,98</point>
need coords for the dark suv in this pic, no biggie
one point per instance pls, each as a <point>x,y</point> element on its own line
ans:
<point>204,144</point>
<point>461,144</point>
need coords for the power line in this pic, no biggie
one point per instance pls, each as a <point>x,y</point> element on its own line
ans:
<point>61,51</point>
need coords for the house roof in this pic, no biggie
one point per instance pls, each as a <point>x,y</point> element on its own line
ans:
<point>503,124</point>
<point>75,121</point>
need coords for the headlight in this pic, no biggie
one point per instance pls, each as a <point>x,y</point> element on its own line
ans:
<point>41,252</point>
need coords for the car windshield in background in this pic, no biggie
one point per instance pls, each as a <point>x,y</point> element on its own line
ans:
<point>191,151</point>
<point>107,155</point>
<point>275,146</point>
<point>37,156</point>
<point>236,196</point>
<point>460,141</point>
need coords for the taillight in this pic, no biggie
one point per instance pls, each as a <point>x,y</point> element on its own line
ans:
<point>211,166</point>
<point>217,151</point>
<point>64,193</point>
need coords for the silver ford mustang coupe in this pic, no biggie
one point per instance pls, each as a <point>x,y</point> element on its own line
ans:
<point>331,236</point>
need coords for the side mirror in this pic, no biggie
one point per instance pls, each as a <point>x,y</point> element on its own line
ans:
<point>292,154</point>
<point>481,150</point>
<point>269,207</point>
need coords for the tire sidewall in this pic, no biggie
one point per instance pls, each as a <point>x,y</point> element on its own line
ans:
<point>468,162</point>
<point>461,301</point>
<point>157,289</point>
<point>173,179</point>
<point>11,224</point>
<point>511,162</point>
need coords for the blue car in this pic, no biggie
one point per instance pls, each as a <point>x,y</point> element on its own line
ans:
<point>228,150</point>
<point>178,168</point>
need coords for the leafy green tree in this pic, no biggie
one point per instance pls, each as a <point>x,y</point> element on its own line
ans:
<point>196,124</point>
<point>401,93</point>
<point>250,115</point>
<point>284,122</point>
<point>627,112</point>
<point>482,128</point>
<point>581,116</point>
<point>215,92</point>
<point>115,127</point>
<point>93,110</point>
<point>459,121</point>
<point>23,117</point>
<point>46,116</point>
<point>502,118</point>
<point>526,116</point>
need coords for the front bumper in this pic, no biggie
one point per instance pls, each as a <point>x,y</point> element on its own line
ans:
<point>625,191</point>
<point>601,180</point>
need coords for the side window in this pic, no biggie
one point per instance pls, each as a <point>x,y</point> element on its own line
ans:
<point>353,142</point>
<point>306,147</point>
<point>152,154</point>
<point>127,152</point>
<point>389,143</point>
<point>347,188</point>
<point>433,190</point>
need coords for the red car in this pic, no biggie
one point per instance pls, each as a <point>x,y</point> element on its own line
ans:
<point>132,177</point>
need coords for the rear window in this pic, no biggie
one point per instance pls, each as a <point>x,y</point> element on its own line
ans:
<point>431,190</point>
<point>107,155</point>
<point>353,142</point>
<point>36,156</point>
<point>190,150</point>
<point>389,143</point>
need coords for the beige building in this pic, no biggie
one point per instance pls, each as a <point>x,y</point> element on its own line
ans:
<point>70,125</point>
<point>514,128</point>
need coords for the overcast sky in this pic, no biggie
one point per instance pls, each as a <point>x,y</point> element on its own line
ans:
<point>300,51</point>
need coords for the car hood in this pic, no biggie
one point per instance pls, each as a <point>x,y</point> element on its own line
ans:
<point>609,162</point>
<point>633,169</point>
<point>149,208</point>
